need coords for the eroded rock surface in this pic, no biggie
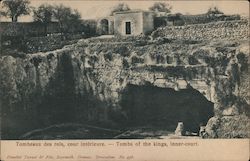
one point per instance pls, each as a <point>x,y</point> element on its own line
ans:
<point>84,82</point>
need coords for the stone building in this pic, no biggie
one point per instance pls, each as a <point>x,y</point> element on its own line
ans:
<point>127,23</point>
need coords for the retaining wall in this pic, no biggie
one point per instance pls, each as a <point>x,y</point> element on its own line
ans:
<point>216,30</point>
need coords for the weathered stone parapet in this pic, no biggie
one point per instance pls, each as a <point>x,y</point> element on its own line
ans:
<point>216,31</point>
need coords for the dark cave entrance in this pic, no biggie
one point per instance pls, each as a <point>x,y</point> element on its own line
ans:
<point>148,105</point>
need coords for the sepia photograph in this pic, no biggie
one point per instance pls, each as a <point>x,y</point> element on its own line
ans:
<point>79,69</point>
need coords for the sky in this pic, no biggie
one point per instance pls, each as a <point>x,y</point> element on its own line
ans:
<point>92,9</point>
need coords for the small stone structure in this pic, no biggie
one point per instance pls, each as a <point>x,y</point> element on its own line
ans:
<point>127,23</point>
<point>179,131</point>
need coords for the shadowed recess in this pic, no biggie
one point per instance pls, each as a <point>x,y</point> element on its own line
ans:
<point>164,107</point>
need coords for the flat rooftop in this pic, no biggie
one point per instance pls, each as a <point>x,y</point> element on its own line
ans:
<point>131,11</point>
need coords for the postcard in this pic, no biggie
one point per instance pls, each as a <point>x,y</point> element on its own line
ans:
<point>146,80</point>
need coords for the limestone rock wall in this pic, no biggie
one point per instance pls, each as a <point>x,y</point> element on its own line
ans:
<point>84,81</point>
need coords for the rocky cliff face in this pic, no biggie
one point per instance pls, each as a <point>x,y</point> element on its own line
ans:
<point>88,82</point>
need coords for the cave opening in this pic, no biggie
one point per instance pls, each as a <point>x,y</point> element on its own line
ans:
<point>151,106</point>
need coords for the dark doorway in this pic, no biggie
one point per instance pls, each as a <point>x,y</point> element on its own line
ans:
<point>128,28</point>
<point>104,27</point>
